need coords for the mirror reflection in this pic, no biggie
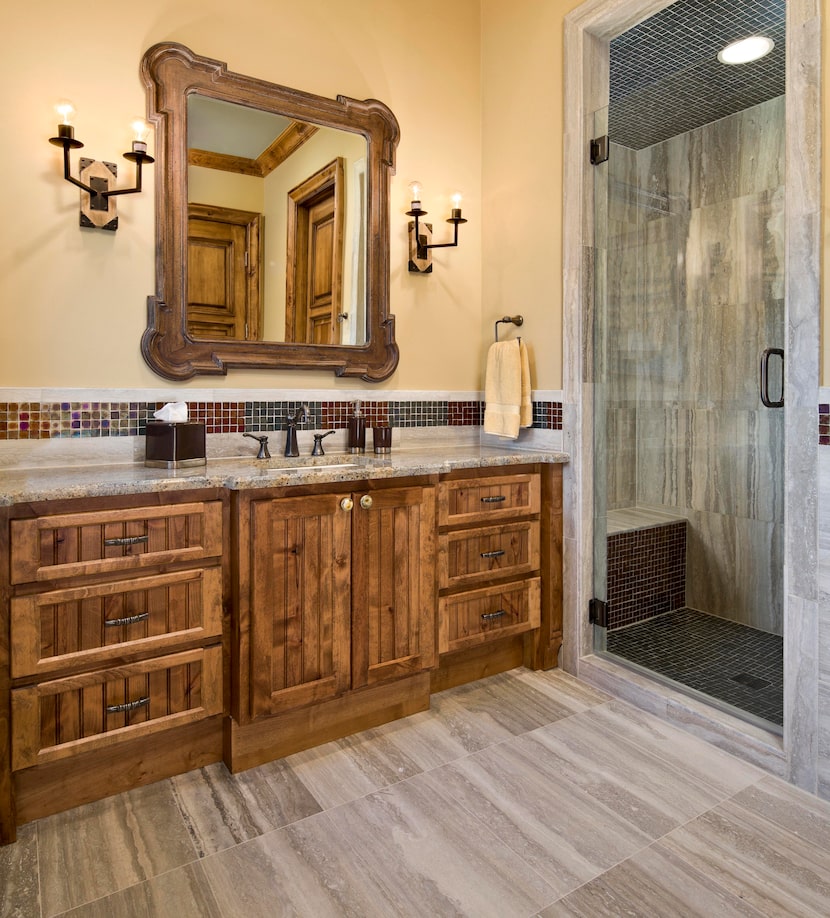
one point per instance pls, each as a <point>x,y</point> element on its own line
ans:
<point>276,236</point>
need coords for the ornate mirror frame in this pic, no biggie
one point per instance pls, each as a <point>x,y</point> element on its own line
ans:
<point>171,72</point>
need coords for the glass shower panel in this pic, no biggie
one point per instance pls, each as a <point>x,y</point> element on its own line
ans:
<point>689,497</point>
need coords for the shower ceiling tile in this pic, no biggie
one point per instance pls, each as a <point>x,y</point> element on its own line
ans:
<point>666,78</point>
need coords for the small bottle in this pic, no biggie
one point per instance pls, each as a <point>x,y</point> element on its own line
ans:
<point>357,430</point>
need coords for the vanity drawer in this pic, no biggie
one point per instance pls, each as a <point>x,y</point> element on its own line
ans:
<point>89,626</point>
<point>476,616</point>
<point>58,719</point>
<point>470,556</point>
<point>477,500</point>
<point>98,542</point>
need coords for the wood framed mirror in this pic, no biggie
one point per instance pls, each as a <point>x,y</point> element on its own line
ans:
<point>272,224</point>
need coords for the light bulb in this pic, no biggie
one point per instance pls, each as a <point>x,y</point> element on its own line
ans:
<point>456,200</point>
<point>140,129</point>
<point>415,190</point>
<point>66,110</point>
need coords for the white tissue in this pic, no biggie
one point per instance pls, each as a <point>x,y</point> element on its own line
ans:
<point>172,411</point>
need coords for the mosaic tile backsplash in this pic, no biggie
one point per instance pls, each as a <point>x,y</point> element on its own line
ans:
<point>45,420</point>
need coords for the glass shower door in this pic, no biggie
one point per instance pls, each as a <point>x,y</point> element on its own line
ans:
<point>688,329</point>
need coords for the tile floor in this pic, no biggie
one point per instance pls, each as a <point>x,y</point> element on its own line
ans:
<point>525,794</point>
<point>728,661</point>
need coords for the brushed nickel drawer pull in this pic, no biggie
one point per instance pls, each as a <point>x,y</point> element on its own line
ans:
<point>490,616</point>
<point>127,706</point>
<point>497,499</point>
<point>127,540</point>
<point>492,554</point>
<point>129,620</point>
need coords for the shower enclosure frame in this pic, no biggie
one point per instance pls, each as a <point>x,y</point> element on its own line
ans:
<point>588,31</point>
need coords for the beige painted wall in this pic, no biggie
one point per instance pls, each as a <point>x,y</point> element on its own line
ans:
<point>74,300</point>
<point>522,123</point>
<point>475,85</point>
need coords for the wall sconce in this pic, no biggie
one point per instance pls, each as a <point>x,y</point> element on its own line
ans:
<point>97,198</point>
<point>420,234</point>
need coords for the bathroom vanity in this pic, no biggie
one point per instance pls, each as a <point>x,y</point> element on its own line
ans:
<point>154,622</point>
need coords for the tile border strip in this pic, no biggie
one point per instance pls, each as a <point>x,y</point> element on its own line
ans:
<point>29,420</point>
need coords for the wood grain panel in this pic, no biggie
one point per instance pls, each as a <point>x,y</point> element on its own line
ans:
<point>64,717</point>
<point>471,556</point>
<point>73,544</point>
<point>477,500</point>
<point>77,626</point>
<point>299,595</point>
<point>476,616</point>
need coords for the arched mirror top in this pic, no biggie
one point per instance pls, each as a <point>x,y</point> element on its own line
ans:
<point>272,223</point>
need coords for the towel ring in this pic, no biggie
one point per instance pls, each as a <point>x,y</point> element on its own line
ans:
<point>511,320</point>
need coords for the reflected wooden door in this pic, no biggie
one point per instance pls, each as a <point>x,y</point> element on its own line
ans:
<point>223,274</point>
<point>315,250</point>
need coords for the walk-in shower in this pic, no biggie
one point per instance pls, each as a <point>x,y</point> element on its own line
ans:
<point>689,339</point>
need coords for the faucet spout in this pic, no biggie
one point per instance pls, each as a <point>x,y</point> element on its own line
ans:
<point>291,448</point>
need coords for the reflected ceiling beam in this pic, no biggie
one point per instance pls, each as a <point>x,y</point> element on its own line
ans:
<point>291,139</point>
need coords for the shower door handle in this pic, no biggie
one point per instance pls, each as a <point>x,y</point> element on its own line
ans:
<point>765,358</point>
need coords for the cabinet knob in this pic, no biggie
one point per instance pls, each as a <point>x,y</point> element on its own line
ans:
<point>346,504</point>
<point>366,501</point>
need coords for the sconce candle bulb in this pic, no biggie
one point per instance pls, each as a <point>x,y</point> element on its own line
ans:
<point>456,206</point>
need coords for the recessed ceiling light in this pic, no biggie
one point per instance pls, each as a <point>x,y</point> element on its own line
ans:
<point>746,50</point>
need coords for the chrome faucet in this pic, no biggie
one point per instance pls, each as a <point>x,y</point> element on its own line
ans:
<point>291,448</point>
<point>263,446</point>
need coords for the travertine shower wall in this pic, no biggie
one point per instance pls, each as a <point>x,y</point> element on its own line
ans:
<point>695,294</point>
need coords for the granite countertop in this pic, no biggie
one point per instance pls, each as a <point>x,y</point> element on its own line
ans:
<point>62,482</point>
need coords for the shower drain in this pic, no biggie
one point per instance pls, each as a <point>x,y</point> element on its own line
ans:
<point>753,682</point>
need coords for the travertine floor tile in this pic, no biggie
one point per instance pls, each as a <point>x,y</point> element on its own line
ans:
<point>19,887</point>
<point>221,810</point>
<point>181,893</point>
<point>651,884</point>
<point>431,857</point>
<point>516,792</point>
<point>95,850</point>
<point>770,867</point>
<point>308,869</point>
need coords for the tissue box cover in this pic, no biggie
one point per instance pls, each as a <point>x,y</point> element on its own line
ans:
<point>171,444</point>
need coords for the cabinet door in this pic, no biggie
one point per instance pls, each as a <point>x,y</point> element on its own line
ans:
<point>393,584</point>
<point>300,590</point>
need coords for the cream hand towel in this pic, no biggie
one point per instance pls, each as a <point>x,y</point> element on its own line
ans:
<point>526,406</point>
<point>505,380</point>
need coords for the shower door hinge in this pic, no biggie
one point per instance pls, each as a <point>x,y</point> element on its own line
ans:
<point>599,150</point>
<point>598,612</point>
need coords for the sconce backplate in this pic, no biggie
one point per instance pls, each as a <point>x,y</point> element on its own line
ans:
<point>97,211</point>
<point>420,257</point>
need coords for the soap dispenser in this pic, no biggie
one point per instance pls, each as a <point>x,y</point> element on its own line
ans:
<point>357,430</point>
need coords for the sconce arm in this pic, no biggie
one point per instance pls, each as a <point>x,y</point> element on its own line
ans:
<point>138,159</point>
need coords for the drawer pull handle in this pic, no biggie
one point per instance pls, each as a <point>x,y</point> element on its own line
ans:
<point>129,620</point>
<point>128,706</point>
<point>496,499</point>
<point>127,540</point>
<point>490,616</point>
<point>492,554</point>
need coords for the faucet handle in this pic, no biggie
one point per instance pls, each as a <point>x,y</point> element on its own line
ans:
<point>318,443</point>
<point>263,445</point>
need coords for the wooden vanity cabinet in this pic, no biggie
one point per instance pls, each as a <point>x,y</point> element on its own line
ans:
<point>115,614</point>
<point>499,571</point>
<point>336,595</point>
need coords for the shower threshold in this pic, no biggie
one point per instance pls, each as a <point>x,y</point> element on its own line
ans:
<point>731,666</point>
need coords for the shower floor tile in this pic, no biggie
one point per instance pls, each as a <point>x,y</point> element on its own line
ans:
<point>728,661</point>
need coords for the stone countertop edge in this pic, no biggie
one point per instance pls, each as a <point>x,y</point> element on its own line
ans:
<point>237,474</point>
